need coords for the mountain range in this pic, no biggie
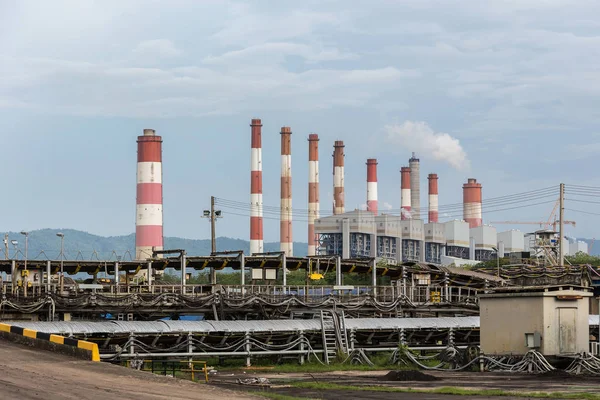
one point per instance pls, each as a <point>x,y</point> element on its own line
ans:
<point>44,244</point>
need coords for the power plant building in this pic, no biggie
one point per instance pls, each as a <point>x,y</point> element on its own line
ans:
<point>511,242</point>
<point>457,239</point>
<point>485,241</point>
<point>435,242</point>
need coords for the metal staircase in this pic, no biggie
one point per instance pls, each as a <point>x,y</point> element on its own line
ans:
<point>335,338</point>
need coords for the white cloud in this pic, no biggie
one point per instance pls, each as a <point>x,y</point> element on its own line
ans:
<point>387,206</point>
<point>419,137</point>
<point>162,48</point>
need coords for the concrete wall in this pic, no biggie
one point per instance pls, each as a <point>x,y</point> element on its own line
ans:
<point>505,318</point>
<point>566,319</point>
<point>504,321</point>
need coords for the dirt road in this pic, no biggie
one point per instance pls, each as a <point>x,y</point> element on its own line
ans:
<point>27,373</point>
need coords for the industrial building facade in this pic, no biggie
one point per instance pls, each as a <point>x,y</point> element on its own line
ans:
<point>359,233</point>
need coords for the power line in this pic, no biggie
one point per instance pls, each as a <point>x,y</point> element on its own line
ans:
<point>583,212</point>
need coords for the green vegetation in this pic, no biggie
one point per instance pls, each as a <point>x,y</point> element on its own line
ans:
<point>276,396</point>
<point>448,390</point>
<point>578,259</point>
<point>582,258</point>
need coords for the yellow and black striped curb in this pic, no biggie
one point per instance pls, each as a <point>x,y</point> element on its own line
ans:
<point>61,340</point>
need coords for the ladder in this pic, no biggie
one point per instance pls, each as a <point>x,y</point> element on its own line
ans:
<point>335,339</point>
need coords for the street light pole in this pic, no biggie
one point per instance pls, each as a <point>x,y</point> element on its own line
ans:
<point>62,257</point>
<point>26,234</point>
<point>212,214</point>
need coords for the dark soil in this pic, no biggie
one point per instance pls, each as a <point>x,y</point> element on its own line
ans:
<point>403,376</point>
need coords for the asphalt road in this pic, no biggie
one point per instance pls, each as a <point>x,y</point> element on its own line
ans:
<point>28,373</point>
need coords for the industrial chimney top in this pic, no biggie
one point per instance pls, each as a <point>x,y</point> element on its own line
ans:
<point>149,132</point>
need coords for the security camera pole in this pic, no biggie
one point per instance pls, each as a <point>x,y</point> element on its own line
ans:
<point>213,215</point>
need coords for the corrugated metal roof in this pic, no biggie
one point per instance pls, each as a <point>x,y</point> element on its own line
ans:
<point>67,328</point>
<point>412,323</point>
<point>139,326</point>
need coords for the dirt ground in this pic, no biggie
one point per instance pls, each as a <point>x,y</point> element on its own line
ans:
<point>28,373</point>
<point>522,383</point>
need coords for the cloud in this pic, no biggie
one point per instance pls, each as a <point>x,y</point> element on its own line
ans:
<point>387,206</point>
<point>161,48</point>
<point>421,138</point>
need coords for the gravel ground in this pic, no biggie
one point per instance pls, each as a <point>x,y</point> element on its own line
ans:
<point>28,373</point>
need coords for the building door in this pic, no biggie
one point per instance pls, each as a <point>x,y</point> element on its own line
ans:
<point>567,331</point>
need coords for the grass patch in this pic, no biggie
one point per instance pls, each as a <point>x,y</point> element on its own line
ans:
<point>276,396</point>
<point>448,390</point>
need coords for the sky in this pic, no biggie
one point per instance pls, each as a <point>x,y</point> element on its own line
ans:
<point>506,92</point>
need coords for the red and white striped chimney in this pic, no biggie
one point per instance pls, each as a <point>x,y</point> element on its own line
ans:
<point>433,198</point>
<point>472,203</point>
<point>313,191</point>
<point>372,185</point>
<point>338,177</point>
<point>149,208</point>
<point>256,201</point>
<point>405,200</point>
<point>287,244</point>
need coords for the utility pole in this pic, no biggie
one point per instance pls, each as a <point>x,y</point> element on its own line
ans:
<point>6,246</point>
<point>213,214</point>
<point>561,250</point>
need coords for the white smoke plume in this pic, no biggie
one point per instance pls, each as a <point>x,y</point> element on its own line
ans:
<point>419,137</point>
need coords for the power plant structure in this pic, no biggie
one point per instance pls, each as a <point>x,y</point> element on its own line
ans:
<point>412,266</point>
<point>472,203</point>
<point>313,191</point>
<point>405,193</point>
<point>149,199</point>
<point>338,178</point>
<point>256,192</point>
<point>415,186</point>
<point>372,202</point>
<point>286,240</point>
<point>433,214</point>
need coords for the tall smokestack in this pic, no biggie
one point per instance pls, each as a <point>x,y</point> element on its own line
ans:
<point>287,244</point>
<point>415,187</point>
<point>405,203</point>
<point>372,185</point>
<point>256,201</point>
<point>433,197</point>
<point>313,191</point>
<point>338,177</point>
<point>472,203</point>
<point>149,209</point>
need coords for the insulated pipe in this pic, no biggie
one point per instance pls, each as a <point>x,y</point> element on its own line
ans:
<point>256,201</point>
<point>415,187</point>
<point>338,177</point>
<point>285,232</point>
<point>313,191</point>
<point>433,197</point>
<point>372,185</point>
<point>405,201</point>
<point>472,203</point>
<point>149,209</point>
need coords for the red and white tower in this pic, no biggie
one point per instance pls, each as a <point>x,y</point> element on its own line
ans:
<point>287,244</point>
<point>372,185</point>
<point>405,200</point>
<point>472,203</point>
<point>338,177</point>
<point>313,191</point>
<point>149,209</point>
<point>256,201</point>
<point>433,198</point>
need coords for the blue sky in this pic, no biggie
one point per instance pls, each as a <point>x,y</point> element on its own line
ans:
<point>505,91</point>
